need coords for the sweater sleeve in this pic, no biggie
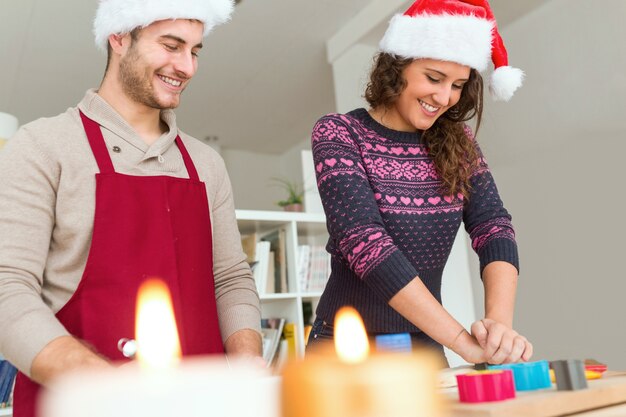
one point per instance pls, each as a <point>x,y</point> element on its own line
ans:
<point>235,291</point>
<point>28,181</point>
<point>353,218</point>
<point>486,220</point>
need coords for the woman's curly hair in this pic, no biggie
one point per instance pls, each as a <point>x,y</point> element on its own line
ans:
<point>454,153</point>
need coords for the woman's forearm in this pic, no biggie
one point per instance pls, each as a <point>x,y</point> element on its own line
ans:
<point>500,282</point>
<point>415,303</point>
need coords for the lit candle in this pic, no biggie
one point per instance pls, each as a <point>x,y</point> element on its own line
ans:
<point>352,383</point>
<point>161,386</point>
<point>155,330</point>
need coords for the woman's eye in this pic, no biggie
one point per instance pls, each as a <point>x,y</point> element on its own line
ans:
<point>457,87</point>
<point>432,79</point>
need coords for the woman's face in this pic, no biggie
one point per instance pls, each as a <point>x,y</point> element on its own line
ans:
<point>432,88</point>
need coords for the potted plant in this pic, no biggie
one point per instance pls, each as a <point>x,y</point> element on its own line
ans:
<point>295,195</point>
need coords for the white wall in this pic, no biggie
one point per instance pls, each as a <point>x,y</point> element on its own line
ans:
<point>557,152</point>
<point>350,76</point>
<point>251,175</point>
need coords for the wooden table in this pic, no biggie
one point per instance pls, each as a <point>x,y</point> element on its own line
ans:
<point>614,411</point>
<point>605,397</point>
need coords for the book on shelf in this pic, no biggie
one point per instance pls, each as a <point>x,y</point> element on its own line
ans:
<point>304,265</point>
<point>270,283</point>
<point>289,333</point>
<point>268,260</point>
<point>261,270</point>
<point>272,330</point>
<point>281,358</point>
<point>248,244</point>
<point>277,241</point>
<point>7,382</point>
<point>313,267</point>
<point>307,333</point>
<point>286,349</point>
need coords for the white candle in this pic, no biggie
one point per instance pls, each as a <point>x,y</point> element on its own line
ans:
<point>160,386</point>
<point>196,388</point>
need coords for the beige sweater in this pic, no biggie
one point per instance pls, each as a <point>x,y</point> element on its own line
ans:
<point>47,188</point>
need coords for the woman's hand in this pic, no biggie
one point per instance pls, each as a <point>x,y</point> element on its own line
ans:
<point>468,348</point>
<point>500,343</point>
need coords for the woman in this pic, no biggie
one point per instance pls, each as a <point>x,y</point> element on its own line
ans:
<point>397,180</point>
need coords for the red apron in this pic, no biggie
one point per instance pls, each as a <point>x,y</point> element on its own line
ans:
<point>144,227</point>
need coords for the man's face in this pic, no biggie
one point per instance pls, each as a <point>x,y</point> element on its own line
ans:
<point>160,62</point>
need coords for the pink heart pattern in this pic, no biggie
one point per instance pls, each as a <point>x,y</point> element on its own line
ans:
<point>358,248</point>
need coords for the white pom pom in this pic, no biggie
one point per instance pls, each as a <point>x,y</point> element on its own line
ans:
<point>504,81</point>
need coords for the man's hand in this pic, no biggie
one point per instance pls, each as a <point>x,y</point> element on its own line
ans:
<point>246,345</point>
<point>501,343</point>
<point>61,355</point>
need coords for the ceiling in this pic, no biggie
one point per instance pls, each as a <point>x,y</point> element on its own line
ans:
<point>262,82</point>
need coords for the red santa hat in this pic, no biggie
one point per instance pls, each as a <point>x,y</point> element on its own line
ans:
<point>122,16</point>
<point>462,31</point>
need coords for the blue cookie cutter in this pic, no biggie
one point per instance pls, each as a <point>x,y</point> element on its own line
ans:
<point>395,342</point>
<point>528,376</point>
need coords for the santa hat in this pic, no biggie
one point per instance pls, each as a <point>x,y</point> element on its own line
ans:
<point>462,31</point>
<point>122,16</point>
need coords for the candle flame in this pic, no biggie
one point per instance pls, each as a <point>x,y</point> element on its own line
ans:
<point>351,341</point>
<point>158,345</point>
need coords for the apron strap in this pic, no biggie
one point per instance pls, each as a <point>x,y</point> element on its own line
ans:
<point>98,147</point>
<point>101,153</point>
<point>191,169</point>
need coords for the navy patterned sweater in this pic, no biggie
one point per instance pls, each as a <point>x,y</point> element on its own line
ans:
<point>389,221</point>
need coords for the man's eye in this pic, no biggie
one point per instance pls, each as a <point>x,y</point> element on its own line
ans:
<point>169,47</point>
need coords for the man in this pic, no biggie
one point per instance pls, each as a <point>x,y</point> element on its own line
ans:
<point>110,193</point>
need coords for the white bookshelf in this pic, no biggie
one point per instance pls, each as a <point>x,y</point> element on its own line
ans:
<point>301,228</point>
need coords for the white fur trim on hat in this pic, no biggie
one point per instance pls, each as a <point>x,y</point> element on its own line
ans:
<point>122,16</point>
<point>462,39</point>
<point>504,81</point>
